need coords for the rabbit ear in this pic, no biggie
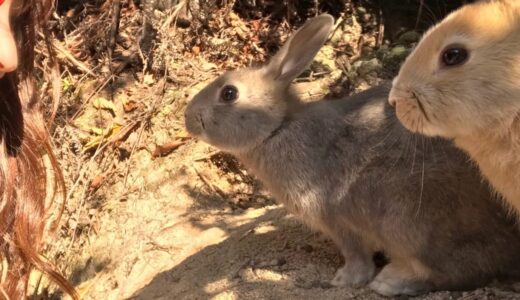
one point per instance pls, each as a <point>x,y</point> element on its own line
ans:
<point>301,48</point>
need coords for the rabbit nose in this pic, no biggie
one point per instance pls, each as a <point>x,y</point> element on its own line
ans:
<point>394,94</point>
<point>392,101</point>
<point>8,51</point>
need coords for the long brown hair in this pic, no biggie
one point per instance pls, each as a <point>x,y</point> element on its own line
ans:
<point>27,182</point>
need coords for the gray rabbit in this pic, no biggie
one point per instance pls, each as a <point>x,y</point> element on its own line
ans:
<point>349,169</point>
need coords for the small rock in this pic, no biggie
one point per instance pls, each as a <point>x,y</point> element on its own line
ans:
<point>263,264</point>
<point>316,283</point>
<point>348,38</point>
<point>393,58</point>
<point>516,287</point>
<point>302,283</point>
<point>398,52</point>
<point>307,248</point>
<point>361,10</point>
<point>280,261</point>
<point>408,38</point>
<point>325,284</point>
<point>370,66</point>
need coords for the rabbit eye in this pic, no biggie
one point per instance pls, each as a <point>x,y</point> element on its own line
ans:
<point>229,94</point>
<point>453,56</point>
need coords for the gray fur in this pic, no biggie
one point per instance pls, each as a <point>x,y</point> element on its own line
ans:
<point>349,169</point>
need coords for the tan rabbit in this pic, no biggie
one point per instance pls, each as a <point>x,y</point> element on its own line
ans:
<point>462,82</point>
<point>349,169</point>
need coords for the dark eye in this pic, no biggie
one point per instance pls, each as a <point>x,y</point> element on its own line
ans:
<point>453,56</point>
<point>229,94</point>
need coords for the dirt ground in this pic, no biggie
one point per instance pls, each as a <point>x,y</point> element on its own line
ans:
<point>194,225</point>
<point>153,214</point>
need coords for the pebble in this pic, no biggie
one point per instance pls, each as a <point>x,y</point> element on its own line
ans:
<point>408,38</point>
<point>366,67</point>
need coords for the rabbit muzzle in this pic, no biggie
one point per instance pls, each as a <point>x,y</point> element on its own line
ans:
<point>194,122</point>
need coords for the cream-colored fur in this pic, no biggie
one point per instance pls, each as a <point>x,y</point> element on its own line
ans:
<point>477,103</point>
<point>498,158</point>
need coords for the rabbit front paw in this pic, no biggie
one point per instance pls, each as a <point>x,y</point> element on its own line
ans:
<point>396,280</point>
<point>357,275</point>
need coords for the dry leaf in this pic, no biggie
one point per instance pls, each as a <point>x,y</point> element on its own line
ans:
<point>130,106</point>
<point>165,149</point>
<point>182,134</point>
<point>110,132</point>
<point>148,79</point>
<point>96,182</point>
<point>256,25</point>
<point>102,103</point>
<point>125,132</point>
<point>96,130</point>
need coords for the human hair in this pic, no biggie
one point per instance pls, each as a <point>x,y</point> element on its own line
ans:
<point>30,177</point>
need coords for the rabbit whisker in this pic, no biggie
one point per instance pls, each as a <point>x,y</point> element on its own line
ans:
<point>414,153</point>
<point>402,146</point>
<point>422,181</point>
<point>420,105</point>
<point>391,143</point>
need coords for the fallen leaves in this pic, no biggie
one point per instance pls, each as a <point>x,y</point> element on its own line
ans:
<point>182,134</point>
<point>102,103</point>
<point>148,79</point>
<point>104,136</point>
<point>96,182</point>
<point>165,149</point>
<point>129,106</point>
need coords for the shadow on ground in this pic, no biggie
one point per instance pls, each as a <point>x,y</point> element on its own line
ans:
<point>270,257</point>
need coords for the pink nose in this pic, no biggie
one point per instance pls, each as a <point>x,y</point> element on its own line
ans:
<point>393,97</point>
<point>392,101</point>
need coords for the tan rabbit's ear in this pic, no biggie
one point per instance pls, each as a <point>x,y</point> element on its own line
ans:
<point>300,49</point>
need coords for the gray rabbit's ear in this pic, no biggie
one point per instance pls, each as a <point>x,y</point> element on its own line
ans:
<point>300,49</point>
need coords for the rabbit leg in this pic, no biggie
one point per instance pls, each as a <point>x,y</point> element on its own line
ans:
<point>402,278</point>
<point>359,267</point>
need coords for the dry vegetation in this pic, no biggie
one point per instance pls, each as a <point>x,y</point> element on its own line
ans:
<point>152,214</point>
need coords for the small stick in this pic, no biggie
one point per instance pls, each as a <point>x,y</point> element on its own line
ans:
<point>70,57</point>
<point>114,29</point>
<point>207,156</point>
<point>213,187</point>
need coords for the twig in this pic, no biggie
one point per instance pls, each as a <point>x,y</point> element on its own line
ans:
<point>419,14</point>
<point>143,121</point>
<point>174,15</point>
<point>99,88</point>
<point>114,29</point>
<point>213,187</point>
<point>312,76</point>
<point>207,156</point>
<point>339,22</point>
<point>359,49</point>
<point>380,30</point>
<point>70,57</point>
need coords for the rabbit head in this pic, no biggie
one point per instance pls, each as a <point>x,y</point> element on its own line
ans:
<point>464,75</point>
<point>241,109</point>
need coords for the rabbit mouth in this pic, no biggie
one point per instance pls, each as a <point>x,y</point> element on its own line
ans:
<point>201,121</point>
<point>420,105</point>
<point>194,124</point>
<point>410,111</point>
